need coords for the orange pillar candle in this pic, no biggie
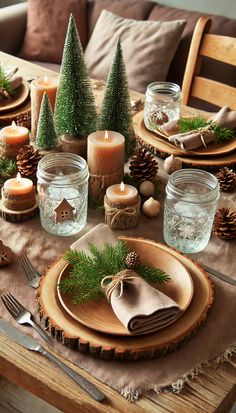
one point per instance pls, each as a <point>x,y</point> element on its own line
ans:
<point>18,194</point>
<point>18,185</point>
<point>122,194</point>
<point>106,151</point>
<point>38,87</point>
<point>12,138</point>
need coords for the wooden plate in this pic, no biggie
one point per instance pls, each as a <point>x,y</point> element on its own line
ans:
<point>99,316</point>
<point>69,332</point>
<point>159,141</point>
<point>21,94</point>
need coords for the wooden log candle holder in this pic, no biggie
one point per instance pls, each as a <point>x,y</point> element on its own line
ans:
<point>71,144</point>
<point>122,215</point>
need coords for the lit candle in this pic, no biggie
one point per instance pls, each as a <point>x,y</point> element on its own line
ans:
<point>38,87</point>
<point>14,134</point>
<point>106,153</point>
<point>18,186</point>
<point>122,194</point>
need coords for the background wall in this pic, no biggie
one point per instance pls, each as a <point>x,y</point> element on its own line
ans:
<point>222,7</point>
<point>4,3</point>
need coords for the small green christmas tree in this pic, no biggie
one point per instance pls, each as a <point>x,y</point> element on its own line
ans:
<point>46,137</point>
<point>75,111</point>
<point>116,109</point>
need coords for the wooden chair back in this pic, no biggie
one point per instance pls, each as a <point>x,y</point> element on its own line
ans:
<point>221,48</point>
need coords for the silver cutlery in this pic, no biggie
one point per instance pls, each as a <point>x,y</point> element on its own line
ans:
<point>30,343</point>
<point>32,276</point>
<point>219,274</point>
<point>22,315</point>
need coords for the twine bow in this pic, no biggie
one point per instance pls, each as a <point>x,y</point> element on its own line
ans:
<point>117,281</point>
<point>115,213</point>
<point>206,129</point>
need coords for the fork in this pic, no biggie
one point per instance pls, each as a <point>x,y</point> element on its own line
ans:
<point>22,315</point>
<point>32,276</point>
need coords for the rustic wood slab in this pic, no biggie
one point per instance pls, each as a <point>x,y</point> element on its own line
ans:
<point>81,338</point>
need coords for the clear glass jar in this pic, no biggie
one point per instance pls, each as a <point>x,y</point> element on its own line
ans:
<point>63,193</point>
<point>162,104</point>
<point>190,205</point>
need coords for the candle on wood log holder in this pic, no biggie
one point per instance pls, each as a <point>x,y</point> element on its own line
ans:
<point>38,87</point>
<point>106,152</point>
<point>12,138</point>
<point>122,206</point>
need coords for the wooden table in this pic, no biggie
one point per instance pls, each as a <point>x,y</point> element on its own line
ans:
<point>215,392</point>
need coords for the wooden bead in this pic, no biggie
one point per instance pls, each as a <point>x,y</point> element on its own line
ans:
<point>151,207</point>
<point>147,188</point>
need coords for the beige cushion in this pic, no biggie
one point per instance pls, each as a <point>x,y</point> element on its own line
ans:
<point>148,48</point>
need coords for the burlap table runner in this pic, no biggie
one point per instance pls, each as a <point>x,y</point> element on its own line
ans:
<point>214,341</point>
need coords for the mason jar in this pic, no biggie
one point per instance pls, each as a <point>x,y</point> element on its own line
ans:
<point>63,193</point>
<point>190,204</point>
<point>162,104</point>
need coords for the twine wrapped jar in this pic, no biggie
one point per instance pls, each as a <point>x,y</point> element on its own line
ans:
<point>122,206</point>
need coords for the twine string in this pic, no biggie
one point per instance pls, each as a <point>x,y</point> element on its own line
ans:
<point>116,213</point>
<point>113,282</point>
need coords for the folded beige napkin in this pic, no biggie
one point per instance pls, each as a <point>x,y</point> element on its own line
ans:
<point>141,308</point>
<point>200,137</point>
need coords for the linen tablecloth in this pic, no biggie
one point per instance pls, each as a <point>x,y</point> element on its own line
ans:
<point>214,341</point>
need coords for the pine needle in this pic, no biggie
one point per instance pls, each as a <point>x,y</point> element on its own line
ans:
<point>189,124</point>
<point>8,169</point>
<point>5,84</point>
<point>83,281</point>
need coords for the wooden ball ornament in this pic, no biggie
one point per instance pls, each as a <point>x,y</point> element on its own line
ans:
<point>151,207</point>
<point>172,164</point>
<point>6,254</point>
<point>147,188</point>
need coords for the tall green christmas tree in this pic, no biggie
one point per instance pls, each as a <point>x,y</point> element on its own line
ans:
<point>75,111</point>
<point>116,108</point>
<point>46,137</point>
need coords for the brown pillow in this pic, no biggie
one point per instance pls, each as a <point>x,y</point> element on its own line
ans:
<point>131,9</point>
<point>148,48</point>
<point>46,28</point>
<point>220,25</point>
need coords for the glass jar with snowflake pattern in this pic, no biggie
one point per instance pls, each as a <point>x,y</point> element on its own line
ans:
<point>191,201</point>
<point>162,104</point>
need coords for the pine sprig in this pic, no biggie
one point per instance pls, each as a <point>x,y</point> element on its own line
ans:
<point>5,84</point>
<point>222,134</point>
<point>84,279</point>
<point>8,169</point>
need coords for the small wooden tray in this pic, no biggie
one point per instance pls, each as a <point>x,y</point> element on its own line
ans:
<point>21,94</point>
<point>99,316</point>
<point>82,338</point>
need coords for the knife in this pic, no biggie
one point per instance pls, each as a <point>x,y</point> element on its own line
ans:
<point>30,343</point>
<point>218,274</point>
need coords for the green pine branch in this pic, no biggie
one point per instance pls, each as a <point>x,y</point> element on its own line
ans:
<point>222,134</point>
<point>8,169</point>
<point>5,84</point>
<point>116,114</point>
<point>87,272</point>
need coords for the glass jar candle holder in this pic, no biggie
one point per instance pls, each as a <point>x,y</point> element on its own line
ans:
<point>63,193</point>
<point>190,205</point>
<point>162,104</point>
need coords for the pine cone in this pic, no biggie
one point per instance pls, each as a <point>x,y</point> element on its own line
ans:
<point>225,223</point>
<point>132,260</point>
<point>227,179</point>
<point>27,160</point>
<point>143,165</point>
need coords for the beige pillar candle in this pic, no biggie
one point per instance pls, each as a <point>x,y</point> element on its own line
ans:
<point>18,186</point>
<point>106,151</point>
<point>38,87</point>
<point>122,194</point>
<point>12,138</point>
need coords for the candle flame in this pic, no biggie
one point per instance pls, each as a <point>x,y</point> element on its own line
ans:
<point>18,177</point>
<point>106,136</point>
<point>45,79</point>
<point>122,187</point>
<point>13,125</point>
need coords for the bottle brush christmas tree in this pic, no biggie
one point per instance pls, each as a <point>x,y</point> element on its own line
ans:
<point>116,109</point>
<point>75,111</point>
<point>46,137</point>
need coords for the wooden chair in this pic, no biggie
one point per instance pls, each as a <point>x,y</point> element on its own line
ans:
<point>221,48</point>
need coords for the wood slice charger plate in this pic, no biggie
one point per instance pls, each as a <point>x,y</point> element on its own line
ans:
<point>76,335</point>
<point>98,314</point>
<point>217,155</point>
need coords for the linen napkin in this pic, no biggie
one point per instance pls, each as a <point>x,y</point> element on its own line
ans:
<point>202,136</point>
<point>141,308</point>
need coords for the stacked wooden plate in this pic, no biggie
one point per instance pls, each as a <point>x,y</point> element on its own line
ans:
<point>93,327</point>
<point>214,156</point>
<point>17,108</point>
